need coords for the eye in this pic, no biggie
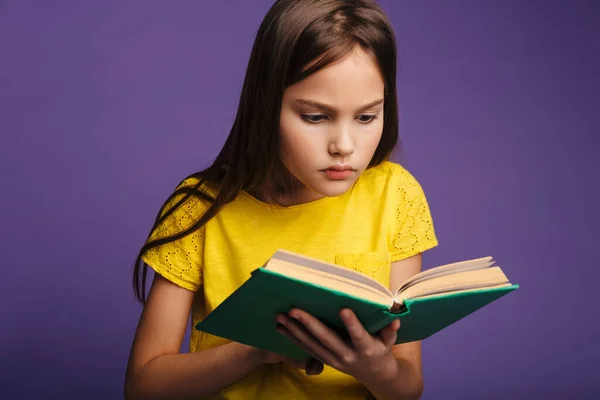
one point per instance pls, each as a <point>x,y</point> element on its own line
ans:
<point>313,118</point>
<point>365,119</point>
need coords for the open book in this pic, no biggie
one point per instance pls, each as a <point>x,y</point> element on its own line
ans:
<point>451,278</point>
<point>425,303</point>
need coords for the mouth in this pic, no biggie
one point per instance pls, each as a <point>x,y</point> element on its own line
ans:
<point>337,171</point>
<point>339,167</point>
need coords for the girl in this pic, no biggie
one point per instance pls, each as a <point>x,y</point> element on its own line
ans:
<point>305,168</point>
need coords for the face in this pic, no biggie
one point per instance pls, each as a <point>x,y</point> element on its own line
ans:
<point>330,126</point>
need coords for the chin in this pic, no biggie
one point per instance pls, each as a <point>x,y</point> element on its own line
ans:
<point>334,188</point>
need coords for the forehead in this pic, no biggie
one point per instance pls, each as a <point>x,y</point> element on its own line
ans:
<point>351,82</point>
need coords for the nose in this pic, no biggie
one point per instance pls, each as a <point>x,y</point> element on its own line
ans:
<point>341,142</point>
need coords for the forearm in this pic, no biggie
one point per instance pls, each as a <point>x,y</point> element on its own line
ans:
<point>403,382</point>
<point>193,375</point>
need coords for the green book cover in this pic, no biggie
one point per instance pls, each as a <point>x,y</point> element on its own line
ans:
<point>248,315</point>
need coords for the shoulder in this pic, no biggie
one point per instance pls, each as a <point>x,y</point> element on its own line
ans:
<point>194,192</point>
<point>194,184</point>
<point>184,206</point>
<point>411,224</point>
<point>393,179</point>
<point>176,243</point>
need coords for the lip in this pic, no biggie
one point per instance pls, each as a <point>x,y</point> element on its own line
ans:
<point>339,167</point>
<point>339,171</point>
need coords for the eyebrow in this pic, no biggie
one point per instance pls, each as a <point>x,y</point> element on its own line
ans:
<point>330,109</point>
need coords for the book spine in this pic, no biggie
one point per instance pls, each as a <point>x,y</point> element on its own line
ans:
<point>398,308</point>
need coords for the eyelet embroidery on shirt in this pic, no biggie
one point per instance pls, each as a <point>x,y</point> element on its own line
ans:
<point>177,257</point>
<point>415,227</point>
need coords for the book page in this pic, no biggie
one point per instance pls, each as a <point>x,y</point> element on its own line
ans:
<point>478,263</point>
<point>330,281</point>
<point>331,269</point>
<point>489,277</point>
<point>470,290</point>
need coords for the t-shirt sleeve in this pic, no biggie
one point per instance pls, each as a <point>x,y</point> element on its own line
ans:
<point>180,260</point>
<point>413,231</point>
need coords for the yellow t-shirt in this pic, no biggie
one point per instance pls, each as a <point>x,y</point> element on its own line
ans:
<point>385,217</point>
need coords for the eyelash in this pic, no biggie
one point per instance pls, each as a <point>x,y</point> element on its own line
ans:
<point>306,118</point>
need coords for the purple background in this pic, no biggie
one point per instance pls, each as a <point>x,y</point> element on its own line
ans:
<point>105,105</point>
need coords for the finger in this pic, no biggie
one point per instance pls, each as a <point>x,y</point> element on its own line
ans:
<point>285,331</point>
<point>361,339</point>
<point>303,338</point>
<point>298,364</point>
<point>312,366</point>
<point>390,333</point>
<point>325,335</point>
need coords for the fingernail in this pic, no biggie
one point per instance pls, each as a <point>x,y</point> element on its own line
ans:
<point>314,367</point>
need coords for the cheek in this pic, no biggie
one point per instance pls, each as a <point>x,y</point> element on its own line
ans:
<point>297,140</point>
<point>371,140</point>
<point>298,151</point>
<point>374,142</point>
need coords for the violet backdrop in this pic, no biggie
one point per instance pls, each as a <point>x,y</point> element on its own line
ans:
<point>104,106</point>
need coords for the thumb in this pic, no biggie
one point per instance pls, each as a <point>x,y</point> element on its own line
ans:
<point>272,358</point>
<point>298,364</point>
<point>389,333</point>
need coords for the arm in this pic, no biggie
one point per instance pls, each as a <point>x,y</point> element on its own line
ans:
<point>156,369</point>
<point>405,381</point>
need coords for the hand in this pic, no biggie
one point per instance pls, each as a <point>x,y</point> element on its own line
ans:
<point>273,358</point>
<point>366,357</point>
<point>267,357</point>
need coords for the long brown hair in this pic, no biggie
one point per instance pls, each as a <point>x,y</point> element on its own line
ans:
<point>295,39</point>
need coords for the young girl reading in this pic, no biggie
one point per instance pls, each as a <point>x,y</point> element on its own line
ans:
<point>305,168</point>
